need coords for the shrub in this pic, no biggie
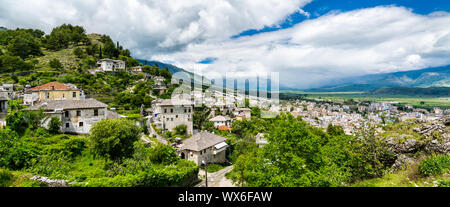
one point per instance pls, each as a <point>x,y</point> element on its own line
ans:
<point>114,138</point>
<point>443,183</point>
<point>55,125</point>
<point>6,178</point>
<point>435,165</point>
<point>181,129</point>
<point>55,64</point>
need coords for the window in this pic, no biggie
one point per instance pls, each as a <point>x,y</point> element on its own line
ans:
<point>176,116</point>
<point>165,110</point>
<point>78,113</point>
<point>47,95</point>
<point>189,110</point>
<point>80,124</point>
<point>66,114</point>
<point>67,125</point>
<point>74,94</point>
<point>171,119</point>
<point>95,112</point>
<point>63,94</point>
<point>185,110</point>
<point>201,153</point>
<point>171,110</point>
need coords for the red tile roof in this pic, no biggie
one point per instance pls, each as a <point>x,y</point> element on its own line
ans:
<point>53,86</point>
<point>224,128</point>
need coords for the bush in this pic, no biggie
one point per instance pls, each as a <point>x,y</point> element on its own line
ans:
<point>114,138</point>
<point>443,183</point>
<point>55,125</point>
<point>181,129</point>
<point>55,64</point>
<point>435,165</point>
<point>6,178</point>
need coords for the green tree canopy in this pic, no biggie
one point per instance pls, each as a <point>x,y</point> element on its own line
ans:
<point>114,138</point>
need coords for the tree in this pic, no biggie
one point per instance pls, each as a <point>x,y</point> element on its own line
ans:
<point>256,112</point>
<point>114,138</point>
<point>78,52</point>
<point>181,129</point>
<point>109,49</point>
<point>24,45</point>
<point>13,64</point>
<point>55,64</point>
<point>335,130</point>
<point>54,125</point>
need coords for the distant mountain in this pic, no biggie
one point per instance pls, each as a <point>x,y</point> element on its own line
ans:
<point>3,28</point>
<point>414,91</point>
<point>429,77</point>
<point>172,69</point>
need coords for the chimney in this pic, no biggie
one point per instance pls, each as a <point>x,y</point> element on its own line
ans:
<point>53,87</point>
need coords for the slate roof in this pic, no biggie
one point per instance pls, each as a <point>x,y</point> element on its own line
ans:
<point>169,102</point>
<point>202,141</point>
<point>69,104</point>
<point>53,86</point>
<point>219,118</point>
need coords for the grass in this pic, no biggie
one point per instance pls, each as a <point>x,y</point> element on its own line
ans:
<point>409,177</point>
<point>443,102</point>
<point>212,168</point>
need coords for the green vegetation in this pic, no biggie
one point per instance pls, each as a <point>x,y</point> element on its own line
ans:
<point>435,165</point>
<point>301,155</point>
<point>114,138</point>
<point>6,177</point>
<point>426,102</point>
<point>111,156</point>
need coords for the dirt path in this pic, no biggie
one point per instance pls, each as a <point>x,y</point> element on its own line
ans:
<point>217,179</point>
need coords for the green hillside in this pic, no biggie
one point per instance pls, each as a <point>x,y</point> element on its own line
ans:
<point>67,54</point>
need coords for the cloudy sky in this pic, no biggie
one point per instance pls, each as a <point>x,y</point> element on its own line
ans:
<point>309,42</point>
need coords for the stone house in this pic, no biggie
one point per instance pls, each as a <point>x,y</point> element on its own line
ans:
<point>168,114</point>
<point>77,116</point>
<point>3,110</point>
<point>242,113</point>
<point>52,91</point>
<point>8,90</point>
<point>204,146</point>
<point>220,121</point>
<point>159,80</point>
<point>110,65</point>
<point>159,90</point>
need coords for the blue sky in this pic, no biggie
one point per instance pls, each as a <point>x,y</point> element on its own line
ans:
<point>308,42</point>
<point>318,8</point>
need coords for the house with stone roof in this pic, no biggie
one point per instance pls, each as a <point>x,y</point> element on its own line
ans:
<point>110,65</point>
<point>168,114</point>
<point>77,116</point>
<point>52,91</point>
<point>204,146</point>
<point>221,121</point>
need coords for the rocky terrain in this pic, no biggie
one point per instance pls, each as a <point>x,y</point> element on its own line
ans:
<point>434,139</point>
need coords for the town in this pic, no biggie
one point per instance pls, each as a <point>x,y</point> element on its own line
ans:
<point>79,110</point>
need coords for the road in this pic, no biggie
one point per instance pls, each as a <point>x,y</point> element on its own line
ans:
<point>217,179</point>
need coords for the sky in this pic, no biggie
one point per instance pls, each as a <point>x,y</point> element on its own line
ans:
<point>308,42</point>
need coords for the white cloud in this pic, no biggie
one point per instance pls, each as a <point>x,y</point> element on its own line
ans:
<point>315,52</point>
<point>312,53</point>
<point>152,26</point>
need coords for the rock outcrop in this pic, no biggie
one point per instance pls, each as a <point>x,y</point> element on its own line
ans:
<point>50,182</point>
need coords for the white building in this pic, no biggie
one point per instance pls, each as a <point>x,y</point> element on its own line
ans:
<point>110,65</point>
<point>204,147</point>
<point>168,114</point>
<point>220,121</point>
<point>77,116</point>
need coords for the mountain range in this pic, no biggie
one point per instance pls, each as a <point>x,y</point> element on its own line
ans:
<point>436,77</point>
<point>423,78</point>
